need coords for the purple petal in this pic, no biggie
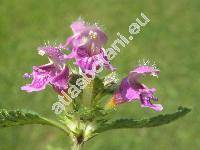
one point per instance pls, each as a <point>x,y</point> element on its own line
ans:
<point>78,26</point>
<point>61,80</point>
<point>146,96</point>
<point>90,65</point>
<point>131,89</point>
<point>86,36</point>
<point>54,53</point>
<point>156,107</point>
<point>142,70</point>
<point>41,77</point>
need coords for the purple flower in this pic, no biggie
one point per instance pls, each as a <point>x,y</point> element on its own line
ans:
<point>86,36</point>
<point>131,89</point>
<point>55,73</point>
<point>54,54</point>
<point>86,45</point>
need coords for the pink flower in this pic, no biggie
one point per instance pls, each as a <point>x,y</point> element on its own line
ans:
<point>131,89</point>
<point>86,47</point>
<point>54,73</point>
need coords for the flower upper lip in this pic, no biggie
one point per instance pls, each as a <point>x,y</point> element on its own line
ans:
<point>135,75</point>
<point>89,36</point>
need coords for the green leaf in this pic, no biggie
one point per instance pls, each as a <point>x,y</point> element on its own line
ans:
<point>97,90</point>
<point>93,92</point>
<point>97,86</point>
<point>142,123</point>
<point>10,118</point>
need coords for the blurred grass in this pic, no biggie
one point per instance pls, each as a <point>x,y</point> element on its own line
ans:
<point>171,39</point>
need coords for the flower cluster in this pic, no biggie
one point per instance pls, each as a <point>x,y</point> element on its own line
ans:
<point>86,49</point>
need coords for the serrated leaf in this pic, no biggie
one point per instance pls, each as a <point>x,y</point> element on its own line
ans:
<point>10,118</point>
<point>143,123</point>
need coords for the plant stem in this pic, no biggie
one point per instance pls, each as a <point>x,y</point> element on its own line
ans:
<point>77,146</point>
<point>78,142</point>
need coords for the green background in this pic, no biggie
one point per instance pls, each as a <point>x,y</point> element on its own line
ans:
<point>170,39</point>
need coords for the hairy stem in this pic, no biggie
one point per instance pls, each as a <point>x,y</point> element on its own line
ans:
<point>77,146</point>
<point>78,142</point>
